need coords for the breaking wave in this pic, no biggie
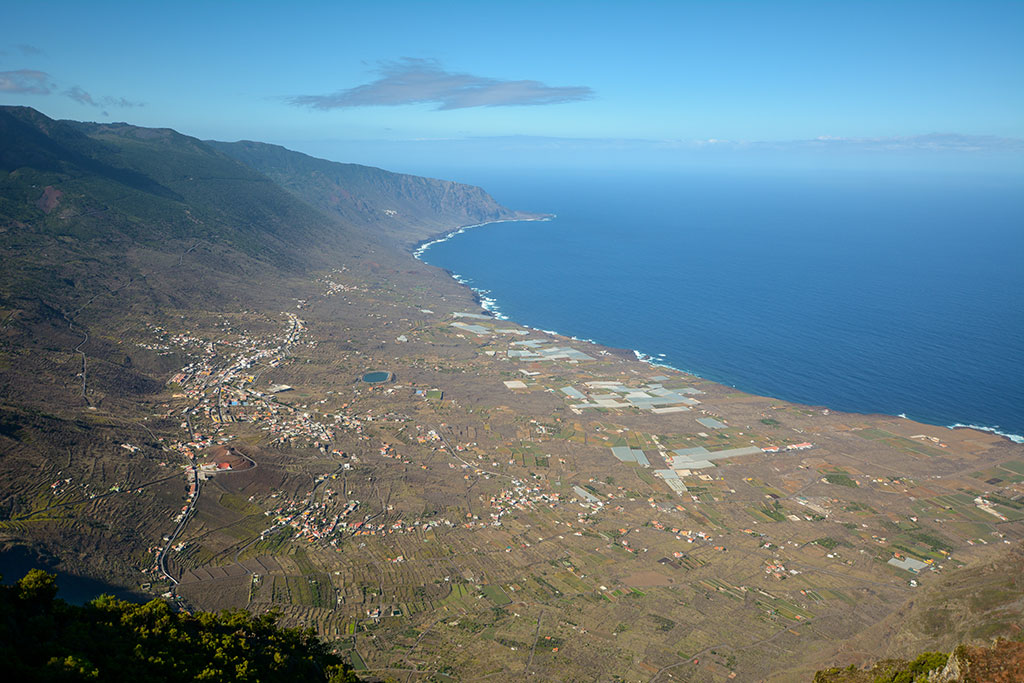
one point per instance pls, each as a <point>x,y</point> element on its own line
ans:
<point>1016,438</point>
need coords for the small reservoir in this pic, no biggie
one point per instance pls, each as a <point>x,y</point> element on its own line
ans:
<point>377,377</point>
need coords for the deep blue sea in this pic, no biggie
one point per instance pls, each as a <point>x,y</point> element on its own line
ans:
<point>891,293</point>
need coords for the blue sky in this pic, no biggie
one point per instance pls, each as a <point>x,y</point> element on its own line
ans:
<point>403,83</point>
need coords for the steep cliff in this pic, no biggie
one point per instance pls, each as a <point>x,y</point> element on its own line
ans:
<point>398,206</point>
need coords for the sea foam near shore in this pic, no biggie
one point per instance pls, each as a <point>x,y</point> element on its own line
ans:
<point>1016,438</point>
<point>769,294</point>
<point>423,246</point>
<point>487,302</point>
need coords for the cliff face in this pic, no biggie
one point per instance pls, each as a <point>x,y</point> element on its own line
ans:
<point>396,206</point>
<point>1001,663</point>
<point>150,185</point>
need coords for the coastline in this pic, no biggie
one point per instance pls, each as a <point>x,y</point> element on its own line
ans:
<point>479,295</point>
<point>492,307</point>
<point>418,248</point>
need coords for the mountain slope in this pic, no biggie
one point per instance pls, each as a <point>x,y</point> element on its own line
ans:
<point>973,606</point>
<point>402,207</point>
<point>133,185</point>
<point>110,233</point>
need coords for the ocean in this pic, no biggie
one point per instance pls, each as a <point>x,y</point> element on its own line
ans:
<point>891,293</point>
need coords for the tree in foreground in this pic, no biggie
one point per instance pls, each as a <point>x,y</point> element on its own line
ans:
<point>43,638</point>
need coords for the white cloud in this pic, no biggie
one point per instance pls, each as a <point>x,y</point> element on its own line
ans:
<point>81,96</point>
<point>417,81</point>
<point>26,81</point>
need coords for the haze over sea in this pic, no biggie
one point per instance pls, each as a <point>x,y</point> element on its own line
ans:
<point>896,293</point>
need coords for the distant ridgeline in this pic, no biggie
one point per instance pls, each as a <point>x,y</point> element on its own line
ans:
<point>43,638</point>
<point>118,186</point>
<point>403,207</point>
<point>119,182</point>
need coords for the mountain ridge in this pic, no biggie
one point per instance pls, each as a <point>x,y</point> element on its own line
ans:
<point>403,207</point>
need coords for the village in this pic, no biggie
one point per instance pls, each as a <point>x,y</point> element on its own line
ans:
<point>390,471</point>
<point>451,472</point>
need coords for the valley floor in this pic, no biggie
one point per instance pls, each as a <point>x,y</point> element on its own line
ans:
<point>514,503</point>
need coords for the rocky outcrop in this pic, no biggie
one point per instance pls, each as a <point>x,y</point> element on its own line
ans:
<point>1001,663</point>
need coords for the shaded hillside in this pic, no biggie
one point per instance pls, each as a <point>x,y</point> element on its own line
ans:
<point>971,606</point>
<point>116,184</point>
<point>103,226</point>
<point>109,233</point>
<point>403,207</point>
<point>106,223</point>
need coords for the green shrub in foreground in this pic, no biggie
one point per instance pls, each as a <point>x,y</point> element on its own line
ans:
<point>42,638</point>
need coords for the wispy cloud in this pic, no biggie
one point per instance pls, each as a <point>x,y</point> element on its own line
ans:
<point>35,82</point>
<point>81,96</point>
<point>934,142</point>
<point>26,82</point>
<point>28,50</point>
<point>417,81</point>
<point>930,142</point>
